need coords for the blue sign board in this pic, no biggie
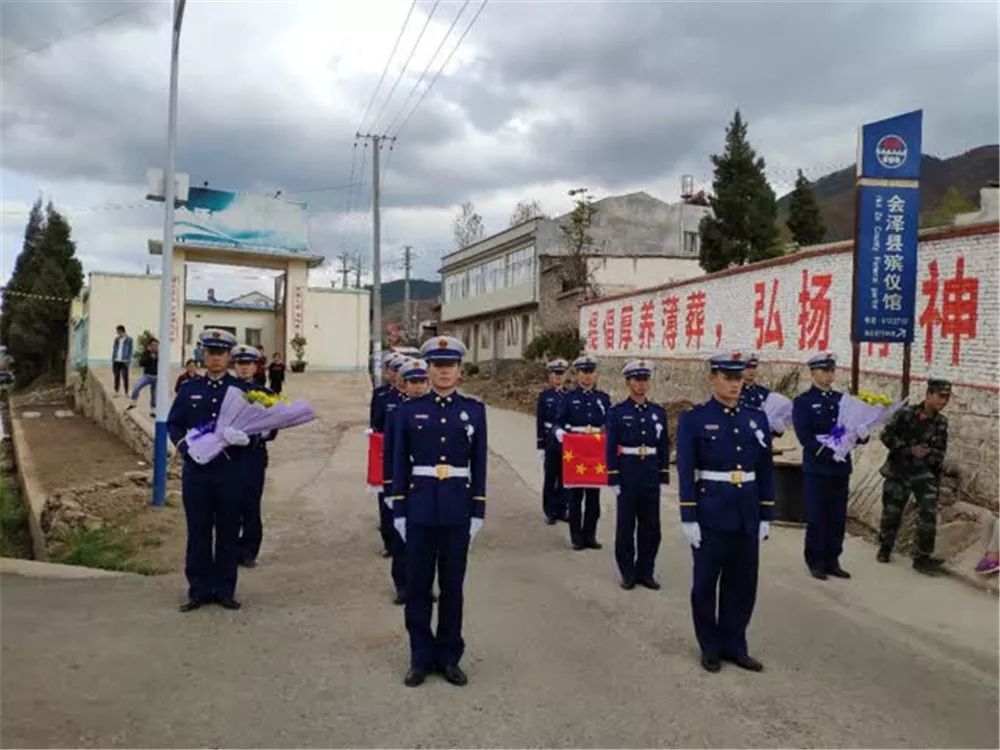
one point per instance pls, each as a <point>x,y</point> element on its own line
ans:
<point>243,220</point>
<point>890,149</point>
<point>886,276</point>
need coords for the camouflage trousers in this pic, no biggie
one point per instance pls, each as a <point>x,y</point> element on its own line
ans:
<point>895,493</point>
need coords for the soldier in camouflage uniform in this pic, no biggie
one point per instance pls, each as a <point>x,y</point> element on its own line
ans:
<point>917,438</point>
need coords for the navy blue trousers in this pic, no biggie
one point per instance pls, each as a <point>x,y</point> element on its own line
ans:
<point>385,527</point>
<point>251,527</point>
<point>212,505</point>
<point>584,510</point>
<point>724,590</point>
<point>554,500</point>
<point>638,521</point>
<point>397,567</point>
<point>442,550</point>
<point>826,519</point>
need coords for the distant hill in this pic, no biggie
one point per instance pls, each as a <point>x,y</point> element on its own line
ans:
<point>393,291</point>
<point>967,172</point>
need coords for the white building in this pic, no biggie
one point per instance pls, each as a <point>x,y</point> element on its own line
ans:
<point>501,291</point>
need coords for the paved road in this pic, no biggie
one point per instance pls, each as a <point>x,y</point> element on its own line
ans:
<point>557,654</point>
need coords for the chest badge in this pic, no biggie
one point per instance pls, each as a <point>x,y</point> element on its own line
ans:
<point>753,425</point>
<point>655,418</point>
<point>464,416</point>
<point>711,427</point>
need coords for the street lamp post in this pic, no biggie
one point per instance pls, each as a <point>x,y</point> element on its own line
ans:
<point>166,278</point>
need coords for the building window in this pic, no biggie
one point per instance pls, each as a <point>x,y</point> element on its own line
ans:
<point>188,332</point>
<point>252,337</point>
<point>690,243</point>
<point>484,336</point>
<point>510,327</point>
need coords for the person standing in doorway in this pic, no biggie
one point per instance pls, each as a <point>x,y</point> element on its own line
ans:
<point>584,409</point>
<point>276,373</point>
<point>121,358</point>
<point>148,361</point>
<point>199,355</point>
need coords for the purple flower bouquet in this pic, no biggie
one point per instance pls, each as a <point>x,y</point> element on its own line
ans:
<point>855,421</point>
<point>241,412</point>
<point>778,409</point>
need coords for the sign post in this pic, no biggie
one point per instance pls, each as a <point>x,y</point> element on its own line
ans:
<point>887,214</point>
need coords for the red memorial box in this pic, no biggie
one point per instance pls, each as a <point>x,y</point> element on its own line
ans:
<point>583,460</point>
<point>375,441</point>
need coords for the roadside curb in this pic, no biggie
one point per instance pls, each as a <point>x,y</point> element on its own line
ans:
<point>36,569</point>
<point>27,478</point>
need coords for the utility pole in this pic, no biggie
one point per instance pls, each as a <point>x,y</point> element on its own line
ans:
<point>406,292</point>
<point>376,325</point>
<point>344,268</point>
<point>357,270</point>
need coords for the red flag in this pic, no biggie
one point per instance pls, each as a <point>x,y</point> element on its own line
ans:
<point>375,459</point>
<point>583,460</point>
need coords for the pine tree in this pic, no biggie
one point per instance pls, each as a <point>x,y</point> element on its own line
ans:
<point>743,226</point>
<point>48,275</point>
<point>804,219</point>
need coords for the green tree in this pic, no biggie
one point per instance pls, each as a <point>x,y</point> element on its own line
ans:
<point>804,218</point>
<point>47,275</point>
<point>743,227</point>
<point>951,203</point>
<point>576,235</point>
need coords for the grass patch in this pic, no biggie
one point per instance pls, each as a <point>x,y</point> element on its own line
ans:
<point>15,539</point>
<point>104,548</point>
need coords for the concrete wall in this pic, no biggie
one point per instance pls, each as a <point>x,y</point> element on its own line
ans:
<point>200,317</point>
<point>739,312</point>
<point>499,337</point>
<point>617,274</point>
<point>337,329</point>
<point>130,300</point>
<point>501,299</point>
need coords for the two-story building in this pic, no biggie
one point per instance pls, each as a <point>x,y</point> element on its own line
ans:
<point>498,293</point>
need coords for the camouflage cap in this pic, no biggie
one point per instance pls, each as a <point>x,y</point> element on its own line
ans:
<point>939,385</point>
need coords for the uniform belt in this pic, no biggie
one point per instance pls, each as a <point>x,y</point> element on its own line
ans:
<point>732,477</point>
<point>640,450</point>
<point>588,429</point>
<point>441,471</point>
<point>547,425</point>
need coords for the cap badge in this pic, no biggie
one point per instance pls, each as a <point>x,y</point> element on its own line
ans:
<point>442,343</point>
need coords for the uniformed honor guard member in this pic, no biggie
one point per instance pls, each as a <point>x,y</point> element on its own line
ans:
<point>917,439</point>
<point>825,481</point>
<point>212,493</point>
<point>752,394</point>
<point>251,533</point>
<point>383,405</point>
<point>584,409</point>
<point>638,461</point>
<point>439,501</point>
<point>725,472</point>
<point>413,373</point>
<point>554,502</point>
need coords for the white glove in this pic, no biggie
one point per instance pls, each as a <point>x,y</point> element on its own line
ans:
<point>764,530</point>
<point>475,526</point>
<point>369,431</point>
<point>693,533</point>
<point>400,524</point>
<point>559,435</point>
<point>617,489</point>
<point>235,437</point>
<point>541,458</point>
<point>388,501</point>
<point>862,433</point>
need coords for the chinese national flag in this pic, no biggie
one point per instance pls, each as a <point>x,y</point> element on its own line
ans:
<point>583,460</point>
<point>375,459</point>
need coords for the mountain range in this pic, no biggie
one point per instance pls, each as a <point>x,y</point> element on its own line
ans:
<point>966,172</point>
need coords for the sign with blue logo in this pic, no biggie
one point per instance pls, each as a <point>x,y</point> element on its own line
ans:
<point>886,276</point>
<point>890,149</point>
<point>241,220</point>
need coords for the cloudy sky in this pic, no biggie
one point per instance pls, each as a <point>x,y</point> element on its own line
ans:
<point>539,97</point>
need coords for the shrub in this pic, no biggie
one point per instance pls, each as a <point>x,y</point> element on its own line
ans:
<point>471,369</point>
<point>563,342</point>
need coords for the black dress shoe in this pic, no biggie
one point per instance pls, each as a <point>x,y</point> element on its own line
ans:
<point>817,573</point>
<point>711,663</point>
<point>248,562</point>
<point>579,546</point>
<point>414,677</point>
<point>455,675</point>
<point>593,544</point>
<point>745,662</point>
<point>227,602</point>
<point>884,554</point>
<point>837,572</point>
<point>386,552</point>
<point>628,584</point>
<point>400,598</point>
<point>650,583</point>
<point>564,518</point>
<point>190,606</point>
<point>927,565</point>
<point>550,521</point>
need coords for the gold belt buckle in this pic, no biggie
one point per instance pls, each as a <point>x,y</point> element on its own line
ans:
<point>642,451</point>
<point>442,471</point>
<point>736,477</point>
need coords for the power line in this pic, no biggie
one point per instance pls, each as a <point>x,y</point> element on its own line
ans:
<point>443,66</point>
<point>387,62</point>
<point>70,35</point>
<point>406,65</point>
<point>430,64</point>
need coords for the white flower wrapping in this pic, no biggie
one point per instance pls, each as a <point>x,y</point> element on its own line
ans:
<point>855,420</point>
<point>778,409</point>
